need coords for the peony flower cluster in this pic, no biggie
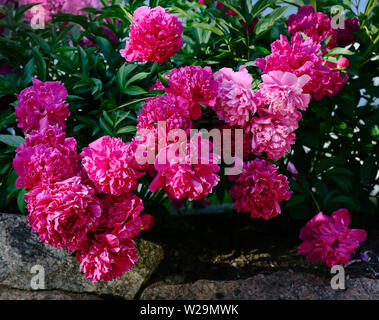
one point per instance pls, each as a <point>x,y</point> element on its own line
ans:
<point>259,189</point>
<point>42,99</point>
<point>329,238</point>
<point>315,25</point>
<point>301,57</point>
<point>318,27</point>
<point>88,207</point>
<point>155,36</point>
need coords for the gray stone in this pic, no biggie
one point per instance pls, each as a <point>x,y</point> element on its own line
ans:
<point>16,294</point>
<point>20,250</point>
<point>281,285</point>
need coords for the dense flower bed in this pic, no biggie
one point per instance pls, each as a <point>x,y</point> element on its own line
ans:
<point>88,201</point>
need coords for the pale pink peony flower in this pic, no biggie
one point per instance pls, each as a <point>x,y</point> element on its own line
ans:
<point>259,189</point>
<point>111,166</point>
<point>283,92</point>
<point>193,83</point>
<point>155,36</point>
<point>43,99</point>
<point>51,7</point>
<point>63,213</point>
<point>302,58</point>
<point>191,174</point>
<point>74,6</point>
<point>316,25</point>
<point>110,251</point>
<point>329,239</point>
<point>235,100</point>
<point>174,110</point>
<point>273,135</point>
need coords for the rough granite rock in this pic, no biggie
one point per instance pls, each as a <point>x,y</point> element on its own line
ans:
<point>281,285</point>
<point>20,250</point>
<point>16,294</point>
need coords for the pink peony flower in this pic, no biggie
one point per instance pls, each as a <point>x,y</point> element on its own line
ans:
<point>107,257</point>
<point>283,92</point>
<point>174,110</point>
<point>316,25</point>
<point>302,58</point>
<point>273,135</point>
<point>193,83</point>
<point>111,166</point>
<point>259,189</point>
<point>43,99</point>
<point>63,213</point>
<point>345,36</point>
<point>155,36</point>
<point>190,174</point>
<point>329,239</point>
<point>110,251</point>
<point>74,6</point>
<point>42,165</point>
<point>51,7</point>
<point>235,100</point>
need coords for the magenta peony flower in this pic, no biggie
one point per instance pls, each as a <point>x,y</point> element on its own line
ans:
<point>283,92</point>
<point>273,135</point>
<point>42,165</point>
<point>107,257</point>
<point>316,25</point>
<point>259,189</point>
<point>110,251</point>
<point>155,36</point>
<point>302,58</point>
<point>170,108</point>
<point>185,176</point>
<point>235,100</point>
<point>329,239</point>
<point>43,99</point>
<point>63,213</point>
<point>345,36</point>
<point>193,83</point>
<point>111,166</point>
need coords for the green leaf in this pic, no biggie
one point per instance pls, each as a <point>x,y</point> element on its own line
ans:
<point>268,21</point>
<point>208,27</point>
<point>137,77</point>
<point>339,51</point>
<point>126,129</point>
<point>134,90</point>
<point>163,80</point>
<point>41,65</point>
<point>21,203</point>
<point>13,141</point>
<point>368,171</point>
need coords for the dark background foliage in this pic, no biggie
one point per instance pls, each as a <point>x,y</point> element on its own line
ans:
<point>336,152</point>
